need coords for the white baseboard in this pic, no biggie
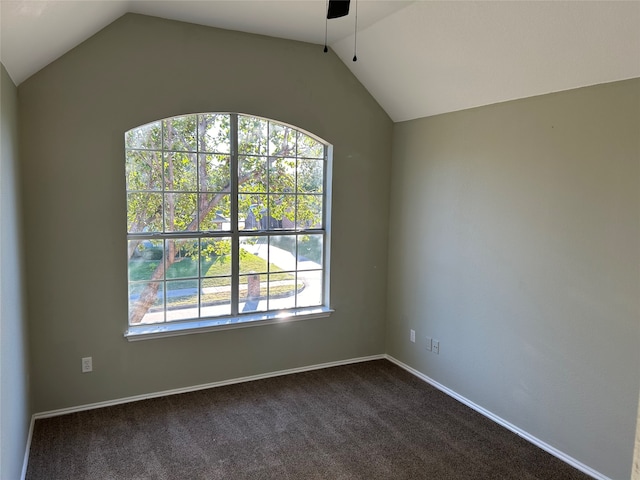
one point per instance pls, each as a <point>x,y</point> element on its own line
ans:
<point>500,421</point>
<point>539,443</point>
<point>25,462</point>
<point>194,388</point>
<point>175,391</point>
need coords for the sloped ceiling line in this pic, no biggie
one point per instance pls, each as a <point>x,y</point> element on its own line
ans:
<point>416,58</point>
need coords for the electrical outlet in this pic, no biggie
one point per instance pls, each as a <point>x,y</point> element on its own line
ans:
<point>87,364</point>
<point>427,344</point>
<point>412,336</point>
<point>436,347</point>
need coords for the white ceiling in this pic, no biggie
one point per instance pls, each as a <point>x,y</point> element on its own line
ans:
<point>416,58</point>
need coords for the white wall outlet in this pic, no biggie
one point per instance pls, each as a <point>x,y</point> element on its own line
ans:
<point>427,343</point>
<point>436,347</point>
<point>87,364</point>
<point>412,336</point>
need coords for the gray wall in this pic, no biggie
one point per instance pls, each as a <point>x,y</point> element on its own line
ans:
<point>515,241</point>
<point>73,115</point>
<point>636,452</point>
<point>14,376</point>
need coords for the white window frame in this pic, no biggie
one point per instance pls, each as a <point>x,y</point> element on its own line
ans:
<point>237,319</point>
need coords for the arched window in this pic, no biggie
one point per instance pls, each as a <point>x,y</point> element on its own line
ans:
<point>227,221</point>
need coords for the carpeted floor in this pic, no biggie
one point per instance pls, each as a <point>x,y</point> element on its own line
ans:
<point>364,421</point>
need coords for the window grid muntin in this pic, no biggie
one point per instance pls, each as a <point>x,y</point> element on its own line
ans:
<point>235,233</point>
<point>235,239</point>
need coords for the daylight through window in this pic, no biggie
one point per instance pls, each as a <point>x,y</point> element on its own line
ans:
<point>226,219</point>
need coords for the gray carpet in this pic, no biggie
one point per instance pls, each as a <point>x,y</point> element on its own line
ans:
<point>365,421</point>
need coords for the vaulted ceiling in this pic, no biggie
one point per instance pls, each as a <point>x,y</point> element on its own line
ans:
<point>417,58</point>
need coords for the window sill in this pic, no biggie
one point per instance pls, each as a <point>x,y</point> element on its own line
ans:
<point>148,332</point>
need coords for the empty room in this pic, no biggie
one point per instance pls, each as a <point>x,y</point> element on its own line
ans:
<point>318,240</point>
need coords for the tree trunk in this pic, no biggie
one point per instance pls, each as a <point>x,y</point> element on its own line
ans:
<point>148,296</point>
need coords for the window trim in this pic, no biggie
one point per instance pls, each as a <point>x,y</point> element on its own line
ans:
<point>236,319</point>
<point>204,325</point>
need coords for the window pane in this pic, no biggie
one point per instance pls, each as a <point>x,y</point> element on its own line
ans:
<point>309,211</point>
<point>282,212</point>
<point>180,211</point>
<point>148,137</point>
<point>310,176</point>
<point>146,303</point>
<point>215,297</point>
<point>145,256</point>
<point>282,175</point>
<point>308,147</point>
<point>215,257</point>
<point>215,173</point>
<point>282,253</point>
<point>252,174</point>
<point>253,255</point>
<point>180,172</point>
<point>253,293</point>
<point>252,136</point>
<point>282,140</point>
<point>214,131</point>
<point>182,258</point>
<point>182,299</point>
<point>311,296</point>
<point>144,212</point>
<point>215,210</point>
<point>252,212</point>
<point>180,133</point>
<point>282,291</point>
<point>144,170</point>
<point>310,252</point>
